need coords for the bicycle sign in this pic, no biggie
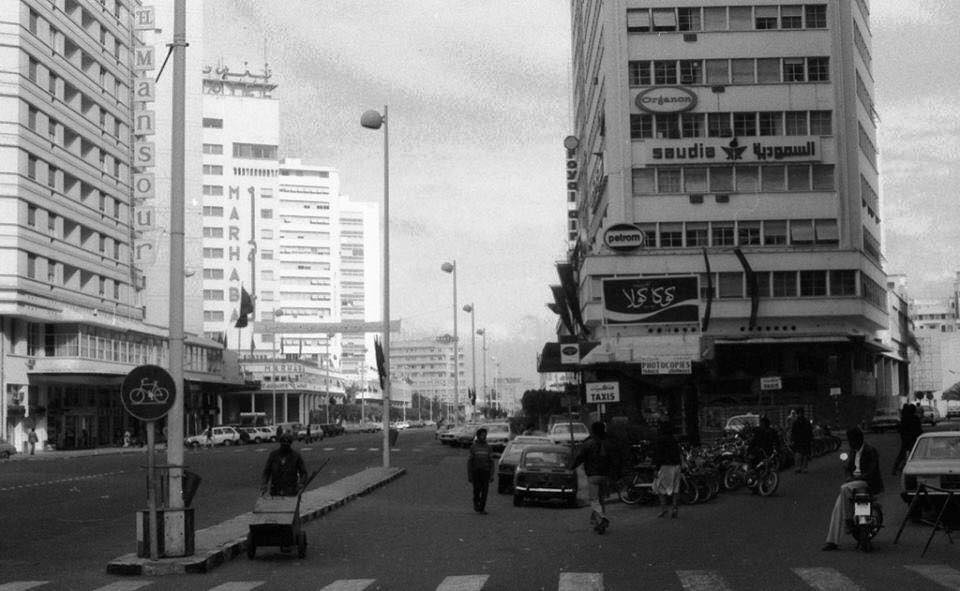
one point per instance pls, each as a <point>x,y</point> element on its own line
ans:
<point>148,392</point>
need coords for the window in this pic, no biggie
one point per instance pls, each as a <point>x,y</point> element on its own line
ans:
<point>32,216</point>
<point>772,178</point>
<point>32,167</point>
<point>213,274</point>
<point>766,17</point>
<point>52,271</point>
<point>668,180</point>
<point>798,177</point>
<point>213,315</point>
<point>668,125</point>
<point>826,232</point>
<point>714,18</point>
<point>664,72</point>
<point>692,125</point>
<point>213,190</point>
<point>639,73</point>
<point>744,124</point>
<point>748,179</point>
<point>643,181</point>
<point>641,126</point>
<point>212,232</point>
<point>638,20</point>
<point>266,214</point>
<point>784,284</point>
<point>721,179</point>
<point>763,283</point>
<point>795,123</point>
<point>214,169</point>
<point>748,233</point>
<point>688,19</point>
<point>32,21</point>
<point>742,71</point>
<point>843,283</point>
<point>801,232</point>
<point>816,16</point>
<point>718,71</point>
<point>51,176</point>
<point>718,125</point>
<point>768,71</point>
<point>695,180</point>
<point>697,234</point>
<point>813,283</point>
<point>823,177</point>
<point>691,72</point>
<point>774,232</point>
<point>255,151</point>
<point>32,65</point>
<point>266,254</point>
<point>213,211</point>
<point>793,69</point>
<point>31,266</point>
<point>211,123</point>
<point>671,235</point>
<point>821,123</point>
<point>213,149</point>
<point>214,295</point>
<point>52,84</point>
<point>791,16</point>
<point>741,18</point>
<point>730,285</point>
<point>213,253</point>
<point>103,244</point>
<point>664,19</point>
<point>32,115</point>
<point>266,234</point>
<point>722,233</point>
<point>771,123</point>
<point>818,69</point>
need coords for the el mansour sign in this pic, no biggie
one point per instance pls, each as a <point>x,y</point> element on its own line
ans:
<point>666,99</point>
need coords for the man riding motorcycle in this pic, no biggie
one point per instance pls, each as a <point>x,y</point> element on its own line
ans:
<point>862,468</point>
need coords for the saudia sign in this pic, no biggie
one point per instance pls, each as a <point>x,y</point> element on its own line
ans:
<point>723,150</point>
<point>623,237</point>
<point>666,99</point>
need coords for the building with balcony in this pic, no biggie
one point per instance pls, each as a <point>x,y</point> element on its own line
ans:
<point>725,222</point>
<point>425,367</point>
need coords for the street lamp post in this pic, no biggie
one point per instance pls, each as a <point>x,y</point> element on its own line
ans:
<point>373,120</point>
<point>473,349</point>
<point>483,349</point>
<point>452,268</point>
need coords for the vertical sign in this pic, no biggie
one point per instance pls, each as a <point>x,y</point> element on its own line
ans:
<point>147,232</point>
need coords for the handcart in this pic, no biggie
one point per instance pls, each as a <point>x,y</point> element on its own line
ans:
<point>276,522</point>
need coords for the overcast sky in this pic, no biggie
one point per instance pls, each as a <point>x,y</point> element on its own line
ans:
<point>479,104</point>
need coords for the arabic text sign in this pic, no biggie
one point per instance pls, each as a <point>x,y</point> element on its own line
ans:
<point>602,392</point>
<point>651,300</point>
<point>729,150</point>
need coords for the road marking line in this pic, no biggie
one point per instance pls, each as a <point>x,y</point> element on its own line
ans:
<point>701,580</point>
<point>309,448</point>
<point>938,573</point>
<point>350,449</point>
<point>328,449</point>
<point>463,583</point>
<point>373,449</point>
<point>581,582</point>
<point>238,586</point>
<point>826,579</point>
<point>124,586</point>
<point>349,585</point>
<point>21,585</point>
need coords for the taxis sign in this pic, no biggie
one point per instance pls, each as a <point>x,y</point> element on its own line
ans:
<point>602,392</point>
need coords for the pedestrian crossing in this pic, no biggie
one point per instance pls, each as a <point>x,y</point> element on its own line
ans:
<point>935,576</point>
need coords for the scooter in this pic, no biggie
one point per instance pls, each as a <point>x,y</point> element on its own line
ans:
<point>867,516</point>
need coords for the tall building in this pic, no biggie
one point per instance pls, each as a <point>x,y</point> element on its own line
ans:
<point>425,366</point>
<point>725,221</point>
<point>76,313</point>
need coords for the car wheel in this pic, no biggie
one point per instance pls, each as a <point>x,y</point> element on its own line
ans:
<point>194,444</point>
<point>4,454</point>
<point>517,500</point>
<point>251,547</point>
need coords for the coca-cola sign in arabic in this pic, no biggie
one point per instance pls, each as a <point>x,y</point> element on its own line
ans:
<point>651,300</point>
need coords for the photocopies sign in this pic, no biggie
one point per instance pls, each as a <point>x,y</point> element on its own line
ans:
<point>602,392</point>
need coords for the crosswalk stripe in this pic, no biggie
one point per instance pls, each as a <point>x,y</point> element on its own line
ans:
<point>350,449</point>
<point>328,449</point>
<point>701,580</point>
<point>581,582</point>
<point>940,574</point>
<point>349,585</point>
<point>826,579</point>
<point>123,586</point>
<point>21,585</point>
<point>238,586</point>
<point>374,449</point>
<point>463,583</point>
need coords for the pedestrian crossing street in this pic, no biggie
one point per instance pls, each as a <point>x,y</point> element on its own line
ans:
<point>818,578</point>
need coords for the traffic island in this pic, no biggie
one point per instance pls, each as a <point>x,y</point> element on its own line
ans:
<point>217,544</point>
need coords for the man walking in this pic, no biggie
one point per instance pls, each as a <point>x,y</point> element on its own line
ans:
<point>595,455</point>
<point>480,470</point>
<point>32,440</point>
<point>801,436</point>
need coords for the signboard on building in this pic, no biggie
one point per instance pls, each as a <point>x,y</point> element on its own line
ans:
<point>723,150</point>
<point>623,237</point>
<point>602,392</point>
<point>771,383</point>
<point>569,353</point>
<point>665,366</point>
<point>666,99</point>
<point>651,300</point>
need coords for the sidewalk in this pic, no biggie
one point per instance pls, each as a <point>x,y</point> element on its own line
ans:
<point>76,453</point>
<point>225,541</point>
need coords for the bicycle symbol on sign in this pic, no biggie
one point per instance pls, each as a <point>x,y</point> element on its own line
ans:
<point>149,392</point>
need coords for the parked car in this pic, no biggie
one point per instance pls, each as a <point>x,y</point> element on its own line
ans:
<point>498,435</point>
<point>266,434</point>
<point>291,428</point>
<point>934,461</point>
<point>332,429</point>
<point>6,450</point>
<point>928,414</point>
<point>507,465</point>
<point>544,473</point>
<point>445,434</point>
<point>560,433</point>
<point>247,434</point>
<point>953,413</point>
<point>738,423</point>
<point>371,426</point>
<point>885,419</point>
<point>466,434</point>
<point>316,433</point>
<point>223,435</point>
<point>400,425</point>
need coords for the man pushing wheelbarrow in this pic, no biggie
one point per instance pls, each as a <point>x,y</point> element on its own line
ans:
<point>284,470</point>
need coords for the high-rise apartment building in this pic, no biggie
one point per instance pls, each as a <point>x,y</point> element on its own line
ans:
<point>425,366</point>
<point>725,244</point>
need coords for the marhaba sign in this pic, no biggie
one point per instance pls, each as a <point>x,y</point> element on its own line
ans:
<point>651,300</point>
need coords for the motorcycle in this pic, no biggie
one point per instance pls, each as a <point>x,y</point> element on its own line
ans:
<point>867,516</point>
<point>761,477</point>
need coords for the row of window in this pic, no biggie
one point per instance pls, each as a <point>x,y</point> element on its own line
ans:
<point>57,273</point>
<point>727,18</point>
<point>782,284</point>
<point>76,234</point>
<point>764,70</point>
<point>62,181</point>
<point>739,179</point>
<point>798,232</point>
<point>731,124</point>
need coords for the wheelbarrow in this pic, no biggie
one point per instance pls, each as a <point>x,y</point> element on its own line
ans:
<point>276,522</point>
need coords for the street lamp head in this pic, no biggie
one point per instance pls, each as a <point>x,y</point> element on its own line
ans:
<point>468,308</point>
<point>447,267</point>
<point>372,119</point>
<point>481,331</point>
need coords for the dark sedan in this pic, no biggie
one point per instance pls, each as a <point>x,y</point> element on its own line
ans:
<point>507,466</point>
<point>544,473</point>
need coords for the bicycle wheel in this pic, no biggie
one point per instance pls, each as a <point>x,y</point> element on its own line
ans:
<point>628,493</point>
<point>714,481</point>
<point>703,488</point>
<point>733,477</point>
<point>687,494</point>
<point>768,483</point>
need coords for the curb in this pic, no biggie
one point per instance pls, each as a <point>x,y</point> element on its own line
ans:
<point>327,499</point>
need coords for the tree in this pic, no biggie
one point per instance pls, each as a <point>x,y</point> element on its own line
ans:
<point>538,405</point>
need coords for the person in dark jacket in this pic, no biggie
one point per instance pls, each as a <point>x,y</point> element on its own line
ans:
<point>667,458</point>
<point>764,441</point>
<point>910,429</point>
<point>596,455</point>
<point>480,470</point>
<point>801,434</point>
<point>284,470</point>
<point>863,471</point>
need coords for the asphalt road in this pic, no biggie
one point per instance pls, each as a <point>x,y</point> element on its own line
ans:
<point>419,530</point>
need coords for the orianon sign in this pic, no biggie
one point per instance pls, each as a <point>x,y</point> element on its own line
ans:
<point>623,237</point>
<point>651,300</point>
<point>666,99</point>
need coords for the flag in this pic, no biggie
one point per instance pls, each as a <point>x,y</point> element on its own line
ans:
<point>246,308</point>
<point>381,370</point>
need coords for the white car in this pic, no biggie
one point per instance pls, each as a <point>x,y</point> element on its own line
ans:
<point>498,435</point>
<point>220,436</point>
<point>560,433</point>
<point>934,461</point>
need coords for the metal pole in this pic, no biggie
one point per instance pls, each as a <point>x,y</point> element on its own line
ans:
<point>327,377</point>
<point>483,335</point>
<point>273,372</point>
<point>177,192</point>
<point>473,352</point>
<point>153,539</point>
<point>386,289</point>
<point>456,351</point>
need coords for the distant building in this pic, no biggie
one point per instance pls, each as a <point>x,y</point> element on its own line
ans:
<point>425,366</point>
<point>936,366</point>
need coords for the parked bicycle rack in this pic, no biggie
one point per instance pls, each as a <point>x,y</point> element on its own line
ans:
<point>938,524</point>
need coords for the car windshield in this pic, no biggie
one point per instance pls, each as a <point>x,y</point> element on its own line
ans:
<point>545,459</point>
<point>937,448</point>
<point>568,427</point>
<point>512,453</point>
<point>736,422</point>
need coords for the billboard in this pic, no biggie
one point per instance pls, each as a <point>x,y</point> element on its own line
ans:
<point>651,300</point>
